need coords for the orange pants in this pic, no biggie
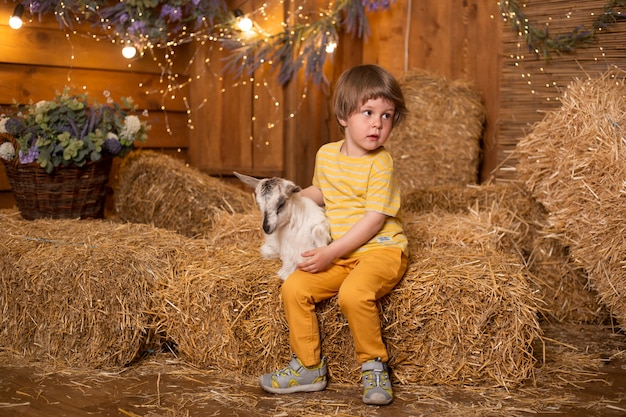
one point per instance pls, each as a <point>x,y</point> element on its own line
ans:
<point>358,281</point>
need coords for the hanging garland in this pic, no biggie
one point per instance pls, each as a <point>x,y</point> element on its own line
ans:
<point>151,24</point>
<point>541,42</point>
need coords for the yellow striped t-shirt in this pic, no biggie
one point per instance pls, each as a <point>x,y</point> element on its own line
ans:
<point>353,185</point>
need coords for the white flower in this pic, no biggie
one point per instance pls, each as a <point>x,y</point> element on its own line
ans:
<point>7,151</point>
<point>132,125</point>
<point>3,122</point>
<point>112,135</point>
<point>40,105</point>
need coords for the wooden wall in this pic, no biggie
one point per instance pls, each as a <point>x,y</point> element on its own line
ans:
<point>219,123</point>
<point>455,38</point>
<point>459,39</point>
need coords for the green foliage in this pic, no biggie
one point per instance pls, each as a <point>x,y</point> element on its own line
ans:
<point>543,43</point>
<point>73,130</point>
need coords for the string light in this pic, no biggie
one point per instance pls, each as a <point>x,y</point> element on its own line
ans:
<point>15,21</point>
<point>221,33</point>
<point>129,51</point>
<point>244,23</point>
<point>544,85</point>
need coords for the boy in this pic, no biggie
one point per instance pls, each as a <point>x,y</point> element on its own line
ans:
<point>355,180</point>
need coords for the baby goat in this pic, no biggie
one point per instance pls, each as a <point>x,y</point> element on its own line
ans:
<point>292,224</point>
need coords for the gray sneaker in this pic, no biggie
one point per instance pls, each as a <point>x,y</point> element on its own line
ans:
<point>376,383</point>
<point>295,378</point>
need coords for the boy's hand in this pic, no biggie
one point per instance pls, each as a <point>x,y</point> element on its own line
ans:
<point>316,260</point>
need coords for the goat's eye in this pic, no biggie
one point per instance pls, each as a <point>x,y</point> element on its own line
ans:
<point>280,207</point>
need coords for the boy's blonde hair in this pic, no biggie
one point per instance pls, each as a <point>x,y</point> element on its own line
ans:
<point>364,82</point>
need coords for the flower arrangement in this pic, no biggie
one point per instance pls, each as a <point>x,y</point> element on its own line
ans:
<point>71,129</point>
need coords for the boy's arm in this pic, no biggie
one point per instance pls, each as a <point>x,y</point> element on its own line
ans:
<point>359,233</point>
<point>314,194</point>
<point>318,259</point>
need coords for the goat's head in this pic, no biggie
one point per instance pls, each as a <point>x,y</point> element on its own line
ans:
<point>272,195</point>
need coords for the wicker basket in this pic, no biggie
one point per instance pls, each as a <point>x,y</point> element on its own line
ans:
<point>68,193</point>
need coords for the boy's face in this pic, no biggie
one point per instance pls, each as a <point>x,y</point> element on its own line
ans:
<point>368,128</point>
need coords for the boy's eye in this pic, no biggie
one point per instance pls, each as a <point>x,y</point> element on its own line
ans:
<point>367,112</point>
<point>387,116</point>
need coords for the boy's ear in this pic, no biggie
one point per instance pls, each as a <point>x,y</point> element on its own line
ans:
<point>342,122</point>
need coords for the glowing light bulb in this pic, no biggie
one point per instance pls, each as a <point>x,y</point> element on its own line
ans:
<point>129,51</point>
<point>330,48</point>
<point>15,21</point>
<point>245,24</point>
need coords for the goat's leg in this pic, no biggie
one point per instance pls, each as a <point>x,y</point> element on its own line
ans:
<point>320,235</point>
<point>286,269</point>
<point>271,248</point>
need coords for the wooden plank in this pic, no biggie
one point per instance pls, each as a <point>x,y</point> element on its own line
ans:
<point>457,19</point>
<point>169,130</point>
<point>486,50</point>
<point>430,39</point>
<point>386,45</point>
<point>268,103</point>
<point>220,140</point>
<point>53,47</point>
<point>28,82</point>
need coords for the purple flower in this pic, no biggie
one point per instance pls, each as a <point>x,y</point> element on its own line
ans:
<point>376,5</point>
<point>31,156</point>
<point>138,27</point>
<point>173,13</point>
<point>112,146</point>
<point>36,7</point>
<point>14,126</point>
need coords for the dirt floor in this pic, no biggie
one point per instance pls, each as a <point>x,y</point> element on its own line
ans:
<point>581,372</point>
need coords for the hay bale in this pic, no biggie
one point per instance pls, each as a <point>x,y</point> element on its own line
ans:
<point>463,314</point>
<point>563,284</point>
<point>439,142</point>
<point>467,304</point>
<point>459,316</point>
<point>79,293</point>
<point>573,163</point>
<point>225,312</point>
<point>522,228</point>
<point>157,189</point>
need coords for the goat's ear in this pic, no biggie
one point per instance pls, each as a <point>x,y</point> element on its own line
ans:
<point>246,179</point>
<point>292,189</point>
